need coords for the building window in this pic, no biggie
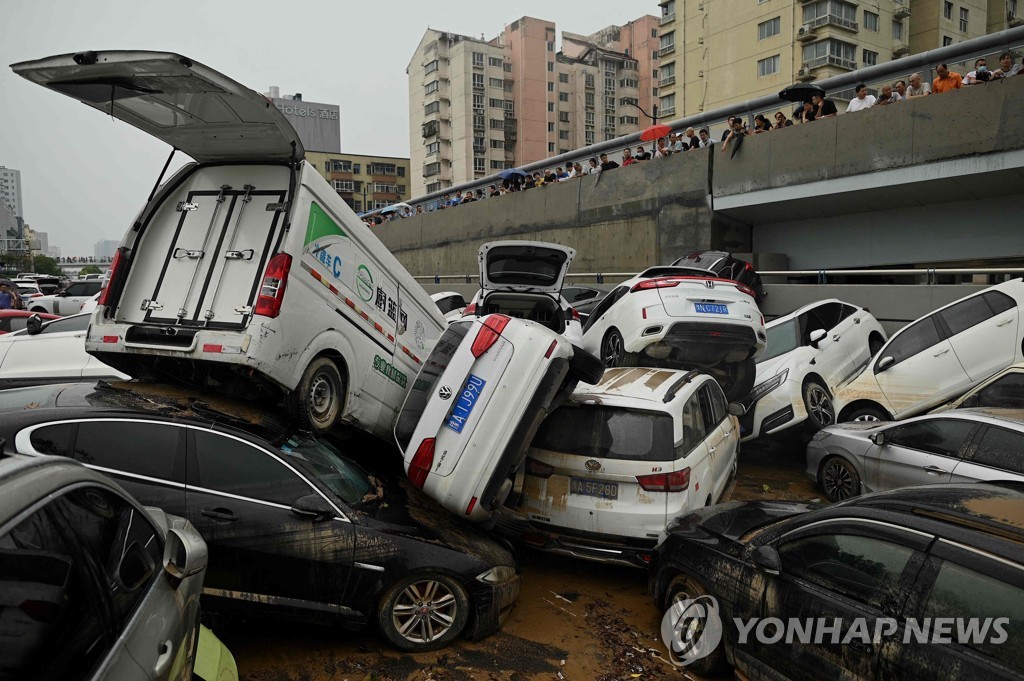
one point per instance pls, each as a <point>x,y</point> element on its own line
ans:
<point>1011,9</point>
<point>870,21</point>
<point>551,46</point>
<point>589,118</point>
<point>654,55</point>
<point>431,108</point>
<point>768,66</point>
<point>433,187</point>
<point>964,13</point>
<point>609,121</point>
<point>588,137</point>
<point>551,66</point>
<point>628,101</point>
<point>563,116</point>
<point>629,82</point>
<point>431,87</point>
<point>834,52</point>
<point>496,82</point>
<point>551,87</point>
<point>563,77</point>
<point>766,29</point>
<point>496,103</point>
<point>478,101</point>
<point>563,96</point>
<point>551,126</point>
<point>831,11</point>
<point>497,165</point>
<point>563,134</point>
<point>946,41</point>
<point>431,67</point>
<point>433,148</point>
<point>551,106</point>
<point>629,120</point>
<point>497,124</point>
<point>431,169</point>
<point>668,103</point>
<point>870,58</point>
<point>668,41</point>
<point>339,167</point>
<point>551,147</point>
<point>344,186</point>
<point>497,144</point>
<point>382,169</point>
<point>897,30</point>
<point>496,61</point>
<point>479,165</point>
<point>947,10</point>
<point>478,80</point>
<point>478,59</point>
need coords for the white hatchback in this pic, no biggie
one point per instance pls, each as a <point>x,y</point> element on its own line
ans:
<point>682,318</point>
<point>476,404</point>
<point>609,468</point>
<point>810,352</point>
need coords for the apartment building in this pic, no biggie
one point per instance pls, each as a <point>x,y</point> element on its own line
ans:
<point>10,189</point>
<point>364,182</point>
<point>478,106</point>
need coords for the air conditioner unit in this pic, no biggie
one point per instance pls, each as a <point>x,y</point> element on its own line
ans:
<point>802,72</point>
<point>805,33</point>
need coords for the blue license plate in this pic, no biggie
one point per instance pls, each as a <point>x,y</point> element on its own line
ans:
<point>711,308</point>
<point>465,402</point>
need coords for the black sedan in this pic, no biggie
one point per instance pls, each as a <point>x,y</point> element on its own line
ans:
<point>922,582</point>
<point>293,526</point>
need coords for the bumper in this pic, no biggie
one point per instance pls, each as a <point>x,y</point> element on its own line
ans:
<point>600,548</point>
<point>491,605</point>
<point>776,411</point>
<point>698,341</point>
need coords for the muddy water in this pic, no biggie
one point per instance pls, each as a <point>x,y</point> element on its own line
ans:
<point>575,620</point>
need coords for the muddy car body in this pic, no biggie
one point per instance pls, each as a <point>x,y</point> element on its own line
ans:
<point>245,270</point>
<point>609,468</point>
<point>1004,390</point>
<point>294,527</point>
<point>899,556</point>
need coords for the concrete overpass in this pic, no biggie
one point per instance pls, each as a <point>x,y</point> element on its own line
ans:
<point>921,183</point>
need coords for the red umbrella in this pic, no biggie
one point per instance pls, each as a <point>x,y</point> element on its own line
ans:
<point>654,132</point>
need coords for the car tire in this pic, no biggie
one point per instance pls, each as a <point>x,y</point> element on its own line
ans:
<point>867,413</point>
<point>318,399</point>
<point>684,587</point>
<point>875,344</point>
<point>839,479</point>
<point>585,367</point>
<point>612,348</point>
<point>401,618</point>
<point>739,379</point>
<point>818,403</point>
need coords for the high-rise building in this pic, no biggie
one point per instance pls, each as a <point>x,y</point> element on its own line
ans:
<point>10,189</point>
<point>104,249</point>
<point>318,125</point>
<point>1004,14</point>
<point>479,106</point>
<point>364,182</point>
<point>938,23</point>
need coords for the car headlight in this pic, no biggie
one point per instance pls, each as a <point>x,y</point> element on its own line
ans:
<point>498,575</point>
<point>771,384</point>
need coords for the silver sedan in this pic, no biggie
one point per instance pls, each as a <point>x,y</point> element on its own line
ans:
<point>966,445</point>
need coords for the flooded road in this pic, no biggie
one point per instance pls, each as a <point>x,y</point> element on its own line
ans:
<point>574,620</point>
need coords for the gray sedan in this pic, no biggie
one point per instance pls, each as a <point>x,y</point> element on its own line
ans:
<point>966,445</point>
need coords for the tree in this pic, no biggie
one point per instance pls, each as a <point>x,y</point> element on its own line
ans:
<point>90,269</point>
<point>46,265</point>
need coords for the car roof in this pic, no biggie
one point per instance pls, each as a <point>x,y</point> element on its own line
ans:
<point>1013,416</point>
<point>800,310</point>
<point>643,384</point>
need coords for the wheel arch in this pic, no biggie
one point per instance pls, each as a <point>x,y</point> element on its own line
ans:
<point>816,377</point>
<point>849,462</point>
<point>857,404</point>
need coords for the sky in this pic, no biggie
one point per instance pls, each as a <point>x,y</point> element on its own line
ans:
<point>85,176</point>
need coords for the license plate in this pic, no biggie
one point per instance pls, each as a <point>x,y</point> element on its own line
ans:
<point>594,488</point>
<point>465,402</point>
<point>711,308</point>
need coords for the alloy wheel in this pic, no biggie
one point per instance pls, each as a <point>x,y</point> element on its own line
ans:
<point>612,353</point>
<point>424,611</point>
<point>868,418</point>
<point>837,480</point>
<point>819,405</point>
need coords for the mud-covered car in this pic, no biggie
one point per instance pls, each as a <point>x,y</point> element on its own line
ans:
<point>1004,390</point>
<point>891,562</point>
<point>295,528</point>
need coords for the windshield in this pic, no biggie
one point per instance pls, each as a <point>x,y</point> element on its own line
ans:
<point>607,433</point>
<point>781,339</point>
<point>344,478</point>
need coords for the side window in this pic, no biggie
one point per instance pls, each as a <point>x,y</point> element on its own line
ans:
<point>5,325</point>
<point>966,314</point>
<point>152,449</point>
<point>917,338</point>
<point>229,465</point>
<point>862,568</point>
<point>718,401</point>
<point>1001,448</point>
<point>999,301</point>
<point>693,424</point>
<point>55,440</point>
<point>608,301</point>
<point>828,314</point>
<point>959,592</point>
<point>846,311</point>
<point>76,323</point>
<point>15,323</point>
<point>706,410</point>
<point>938,436</point>
<point>92,288</point>
<point>1008,391</point>
<point>75,290</point>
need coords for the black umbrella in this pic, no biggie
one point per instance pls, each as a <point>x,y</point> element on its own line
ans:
<point>801,92</point>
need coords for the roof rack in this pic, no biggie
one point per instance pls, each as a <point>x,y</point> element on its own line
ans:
<point>678,385</point>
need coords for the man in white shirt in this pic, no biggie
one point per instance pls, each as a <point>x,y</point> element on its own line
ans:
<point>862,101</point>
<point>917,88</point>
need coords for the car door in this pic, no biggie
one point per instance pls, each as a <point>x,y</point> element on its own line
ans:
<point>924,370</point>
<point>694,454</point>
<point>239,496</point>
<point>920,452</point>
<point>833,575</point>
<point>70,302</point>
<point>54,355</point>
<point>831,358</point>
<point>995,453</point>
<point>721,435</point>
<point>983,332</point>
<point>854,337</point>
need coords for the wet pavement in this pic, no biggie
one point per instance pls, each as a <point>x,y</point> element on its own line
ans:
<point>574,620</point>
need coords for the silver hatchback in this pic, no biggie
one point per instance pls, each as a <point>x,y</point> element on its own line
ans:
<point>965,445</point>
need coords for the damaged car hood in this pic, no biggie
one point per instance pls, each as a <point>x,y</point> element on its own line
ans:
<point>734,519</point>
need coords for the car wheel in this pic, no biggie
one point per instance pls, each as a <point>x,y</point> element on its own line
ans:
<point>683,588</point>
<point>585,367</point>
<point>875,344</point>
<point>818,402</point>
<point>838,479</point>
<point>871,414</point>
<point>423,612</point>
<point>738,379</point>
<point>318,399</point>
<point>612,348</point>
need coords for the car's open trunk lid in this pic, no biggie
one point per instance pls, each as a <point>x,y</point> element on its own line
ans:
<point>198,110</point>
<point>524,266</point>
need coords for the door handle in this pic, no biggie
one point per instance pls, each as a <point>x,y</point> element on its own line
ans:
<point>941,352</point>
<point>163,659</point>
<point>712,449</point>
<point>219,514</point>
<point>835,338</point>
<point>1005,322</point>
<point>934,470</point>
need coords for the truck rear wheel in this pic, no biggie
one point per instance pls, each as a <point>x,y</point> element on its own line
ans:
<point>320,395</point>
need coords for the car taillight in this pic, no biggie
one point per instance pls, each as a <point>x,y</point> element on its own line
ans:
<point>659,282</point>
<point>551,348</point>
<point>489,333</point>
<point>541,470</point>
<point>676,481</point>
<point>575,315</point>
<point>114,267</point>
<point>743,288</point>
<point>272,291</point>
<point>422,462</point>
<point>470,309</point>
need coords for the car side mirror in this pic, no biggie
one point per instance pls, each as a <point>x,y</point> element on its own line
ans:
<point>737,409</point>
<point>885,363</point>
<point>816,336</point>
<point>767,559</point>
<point>312,506</point>
<point>34,325</point>
<point>183,556</point>
<point>878,438</point>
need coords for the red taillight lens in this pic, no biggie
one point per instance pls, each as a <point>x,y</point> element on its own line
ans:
<point>422,462</point>
<point>470,309</point>
<point>272,291</point>
<point>489,333</point>
<point>551,348</point>
<point>471,506</point>
<point>114,266</point>
<point>575,315</point>
<point>541,470</point>
<point>676,481</point>
<point>742,288</point>
<point>659,282</point>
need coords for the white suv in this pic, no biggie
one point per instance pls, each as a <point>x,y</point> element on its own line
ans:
<point>609,468</point>
<point>476,404</point>
<point>681,317</point>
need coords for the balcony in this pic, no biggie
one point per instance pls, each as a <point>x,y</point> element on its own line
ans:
<point>511,135</point>
<point>900,50</point>
<point>831,60</point>
<point>667,18</point>
<point>901,13</point>
<point>832,20</point>
<point>668,49</point>
<point>667,80</point>
<point>667,111</point>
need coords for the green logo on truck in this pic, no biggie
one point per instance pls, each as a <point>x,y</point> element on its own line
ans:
<point>321,225</point>
<point>389,370</point>
<point>364,283</point>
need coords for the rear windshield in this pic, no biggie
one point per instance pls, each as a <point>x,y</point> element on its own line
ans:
<point>781,339</point>
<point>446,305</point>
<point>423,388</point>
<point>511,265</point>
<point>320,459</point>
<point>607,433</point>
